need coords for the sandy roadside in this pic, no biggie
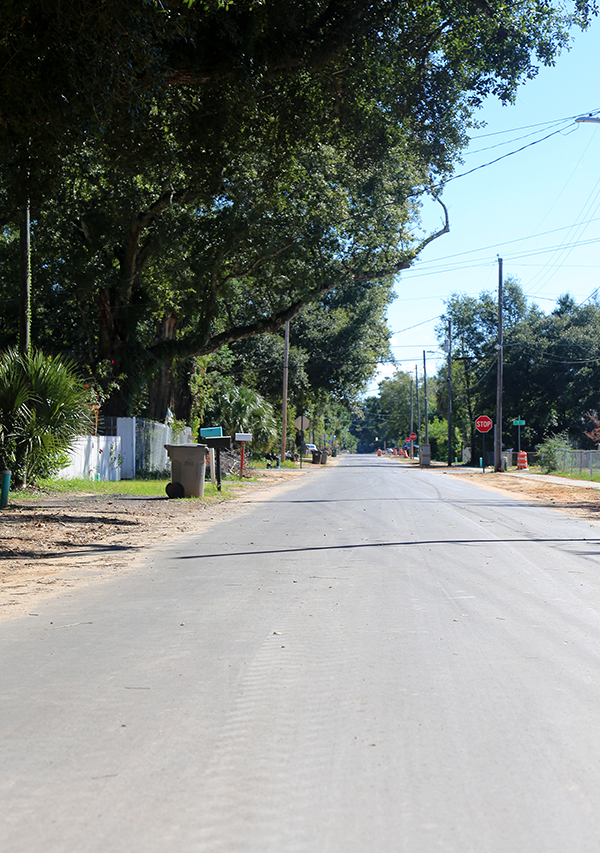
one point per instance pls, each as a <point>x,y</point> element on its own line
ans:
<point>52,545</point>
<point>56,544</point>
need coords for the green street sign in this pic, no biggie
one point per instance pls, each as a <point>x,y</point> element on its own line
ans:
<point>518,422</point>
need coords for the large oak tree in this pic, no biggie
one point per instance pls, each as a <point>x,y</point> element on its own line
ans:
<point>200,173</point>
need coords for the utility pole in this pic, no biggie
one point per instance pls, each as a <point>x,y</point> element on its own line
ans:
<point>411,417</point>
<point>25,295</point>
<point>285,392</point>
<point>425,393</point>
<point>499,347</point>
<point>418,405</point>
<point>449,392</point>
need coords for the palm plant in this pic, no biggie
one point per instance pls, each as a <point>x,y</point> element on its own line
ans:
<point>44,406</point>
<point>242,409</point>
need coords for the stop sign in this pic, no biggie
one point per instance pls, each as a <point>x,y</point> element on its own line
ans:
<point>412,436</point>
<point>483,423</point>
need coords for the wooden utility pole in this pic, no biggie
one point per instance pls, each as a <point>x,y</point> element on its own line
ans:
<point>285,392</point>
<point>425,395</point>
<point>418,405</point>
<point>25,289</point>
<point>449,392</point>
<point>499,346</point>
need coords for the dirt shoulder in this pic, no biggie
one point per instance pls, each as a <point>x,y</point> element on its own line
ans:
<point>577,500</point>
<point>49,545</point>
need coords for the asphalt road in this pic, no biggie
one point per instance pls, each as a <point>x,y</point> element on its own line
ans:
<point>375,659</point>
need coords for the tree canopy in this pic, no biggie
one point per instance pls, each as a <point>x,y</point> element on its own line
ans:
<point>199,173</point>
<point>551,365</point>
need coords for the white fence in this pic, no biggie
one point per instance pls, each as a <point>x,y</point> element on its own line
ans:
<point>137,448</point>
<point>94,457</point>
<point>148,455</point>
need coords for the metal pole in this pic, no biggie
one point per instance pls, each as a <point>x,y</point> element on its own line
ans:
<point>498,453</point>
<point>449,392</point>
<point>285,392</point>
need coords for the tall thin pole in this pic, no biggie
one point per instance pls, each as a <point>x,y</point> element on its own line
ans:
<point>498,453</point>
<point>425,393</point>
<point>418,404</point>
<point>449,392</point>
<point>411,419</point>
<point>25,296</point>
<point>285,392</point>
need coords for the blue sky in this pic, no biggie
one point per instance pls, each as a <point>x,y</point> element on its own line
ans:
<point>538,209</point>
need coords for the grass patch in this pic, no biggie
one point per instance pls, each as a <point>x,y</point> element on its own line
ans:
<point>138,488</point>
<point>576,475</point>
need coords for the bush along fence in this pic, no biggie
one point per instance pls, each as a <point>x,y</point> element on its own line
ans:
<point>133,447</point>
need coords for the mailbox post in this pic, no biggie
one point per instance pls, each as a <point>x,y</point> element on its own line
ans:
<point>218,443</point>
<point>243,437</point>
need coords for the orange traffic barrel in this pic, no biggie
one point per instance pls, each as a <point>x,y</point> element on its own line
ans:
<point>521,460</point>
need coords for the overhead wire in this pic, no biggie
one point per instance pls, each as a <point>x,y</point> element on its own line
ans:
<point>549,122</point>
<point>502,157</point>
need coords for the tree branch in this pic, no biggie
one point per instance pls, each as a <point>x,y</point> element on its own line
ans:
<point>411,256</point>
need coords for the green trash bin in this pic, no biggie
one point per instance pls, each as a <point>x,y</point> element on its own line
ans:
<point>5,489</point>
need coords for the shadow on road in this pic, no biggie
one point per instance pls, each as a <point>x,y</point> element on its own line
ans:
<point>406,544</point>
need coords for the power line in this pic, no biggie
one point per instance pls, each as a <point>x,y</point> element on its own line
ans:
<point>498,159</point>
<point>408,328</point>
<point>485,262</point>
<point>507,142</point>
<point>550,122</point>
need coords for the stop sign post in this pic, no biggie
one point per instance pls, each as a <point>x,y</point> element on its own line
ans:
<point>483,424</point>
<point>412,438</point>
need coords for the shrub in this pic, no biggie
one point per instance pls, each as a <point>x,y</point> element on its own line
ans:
<point>44,406</point>
<point>548,450</point>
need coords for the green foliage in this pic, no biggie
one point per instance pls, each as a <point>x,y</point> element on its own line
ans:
<point>201,172</point>
<point>474,357</point>
<point>225,76</point>
<point>241,409</point>
<point>394,398</point>
<point>369,425</point>
<point>551,367</point>
<point>44,406</point>
<point>548,449</point>
<point>438,439</point>
<point>386,418</point>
